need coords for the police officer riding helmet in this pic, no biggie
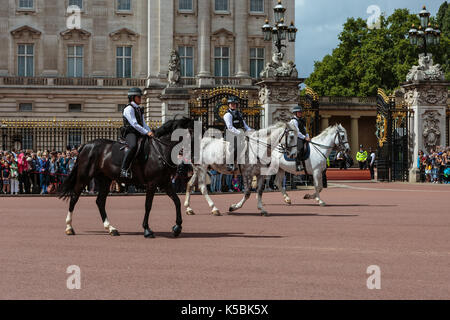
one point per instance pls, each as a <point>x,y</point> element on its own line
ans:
<point>233,100</point>
<point>134,92</point>
<point>297,109</point>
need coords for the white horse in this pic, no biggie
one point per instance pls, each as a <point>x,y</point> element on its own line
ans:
<point>213,154</point>
<point>321,146</point>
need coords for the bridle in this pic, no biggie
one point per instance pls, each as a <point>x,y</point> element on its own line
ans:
<point>340,145</point>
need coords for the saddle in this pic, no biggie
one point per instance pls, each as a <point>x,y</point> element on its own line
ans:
<point>143,148</point>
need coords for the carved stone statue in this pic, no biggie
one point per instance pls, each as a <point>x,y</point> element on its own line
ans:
<point>174,68</point>
<point>278,68</point>
<point>431,131</point>
<point>426,70</point>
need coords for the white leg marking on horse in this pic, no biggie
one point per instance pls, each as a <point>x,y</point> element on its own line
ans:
<point>69,221</point>
<point>108,226</point>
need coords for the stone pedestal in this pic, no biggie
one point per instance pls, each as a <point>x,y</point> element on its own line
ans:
<point>278,96</point>
<point>428,101</point>
<point>175,101</point>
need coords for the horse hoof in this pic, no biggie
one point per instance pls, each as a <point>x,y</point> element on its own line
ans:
<point>322,204</point>
<point>176,230</point>
<point>216,213</point>
<point>231,209</point>
<point>264,214</point>
<point>148,233</point>
<point>70,232</point>
<point>190,212</point>
<point>114,233</point>
<point>288,202</point>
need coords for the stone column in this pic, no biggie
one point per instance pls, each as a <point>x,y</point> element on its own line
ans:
<point>278,97</point>
<point>204,42</point>
<point>241,45</point>
<point>354,139</point>
<point>428,102</point>
<point>175,101</point>
<point>325,121</point>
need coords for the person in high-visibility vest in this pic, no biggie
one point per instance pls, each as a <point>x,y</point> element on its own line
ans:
<point>361,157</point>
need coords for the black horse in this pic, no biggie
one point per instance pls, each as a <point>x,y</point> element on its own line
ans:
<point>101,160</point>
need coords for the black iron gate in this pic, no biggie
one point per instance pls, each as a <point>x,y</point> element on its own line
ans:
<point>209,107</point>
<point>392,131</point>
<point>310,105</point>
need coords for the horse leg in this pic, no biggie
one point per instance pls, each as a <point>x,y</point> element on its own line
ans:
<point>176,229</point>
<point>103,185</point>
<point>204,190</point>
<point>73,201</point>
<point>247,192</point>
<point>148,233</point>
<point>318,186</point>
<point>279,183</point>
<point>187,201</point>
<point>259,196</point>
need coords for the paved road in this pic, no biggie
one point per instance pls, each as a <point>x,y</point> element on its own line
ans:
<point>300,252</point>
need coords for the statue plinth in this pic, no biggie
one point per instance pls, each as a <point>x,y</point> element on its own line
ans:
<point>277,96</point>
<point>175,101</point>
<point>426,95</point>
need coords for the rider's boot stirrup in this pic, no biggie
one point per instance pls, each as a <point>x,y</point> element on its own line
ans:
<point>125,174</point>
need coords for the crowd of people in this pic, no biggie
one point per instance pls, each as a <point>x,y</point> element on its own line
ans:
<point>41,172</point>
<point>434,167</point>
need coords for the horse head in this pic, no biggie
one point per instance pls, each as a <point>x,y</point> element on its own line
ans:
<point>341,140</point>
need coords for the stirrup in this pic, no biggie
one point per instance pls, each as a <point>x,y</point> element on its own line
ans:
<point>231,167</point>
<point>125,174</point>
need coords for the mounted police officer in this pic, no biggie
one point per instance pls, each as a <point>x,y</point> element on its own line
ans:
<point>234,122</point>
<point>134,126</point>
<point>299,122</point>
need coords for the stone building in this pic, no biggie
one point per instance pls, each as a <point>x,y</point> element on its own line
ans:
<point>60,63</point>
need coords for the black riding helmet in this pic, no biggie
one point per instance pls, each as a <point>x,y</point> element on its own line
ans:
<point>134,92</point>
<point>297,109</point>
<point>232,99</point>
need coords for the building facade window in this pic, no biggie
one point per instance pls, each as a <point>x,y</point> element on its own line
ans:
<point>26,4</point>
<point>123,62</point>
<point>27,139</point>
<point>187,61</point>
<point>25,60</point>
<point>221,5</point>
<point>75,61</point>
<point>124,5</point>
<point>75,107</point>
<point>256,61</point>
<point>222,62</point>
<point>74,138</point>
<point>78,3</point>
<point>257,6</point>
<point>185,5</point>
<point>25,107</point>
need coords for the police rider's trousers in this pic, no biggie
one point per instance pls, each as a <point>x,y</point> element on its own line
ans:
<point>130,152</point>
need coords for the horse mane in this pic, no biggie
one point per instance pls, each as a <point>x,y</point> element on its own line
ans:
<point>171,125</point>
<point>325,132</point>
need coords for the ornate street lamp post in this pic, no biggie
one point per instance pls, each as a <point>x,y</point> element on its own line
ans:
<point>279,31</point>
<point>425,35</point>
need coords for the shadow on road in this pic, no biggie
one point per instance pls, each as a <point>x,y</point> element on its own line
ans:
<point>332,205</point>
<point>293,214</point>
<point>200,235</point>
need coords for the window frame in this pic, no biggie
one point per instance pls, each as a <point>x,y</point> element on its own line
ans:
<point>20,103</point>
<point>33,8</point>
<point>186,10</point>
<point>257,12</point>
<point>74,132</point>
<point>75,57</point>
<point>184,57</point>
<point>75,103</point>
<point>222,11</point>
<point>222,57</point>
<point>124,11</point>
<point>26,55</point>
<point>123,57</point>
<point>258,60</point>
<point>82,4</point>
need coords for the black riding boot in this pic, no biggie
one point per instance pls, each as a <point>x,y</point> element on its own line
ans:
<point>127,158</point>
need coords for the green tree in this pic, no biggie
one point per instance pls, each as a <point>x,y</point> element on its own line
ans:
<point>366,59</point>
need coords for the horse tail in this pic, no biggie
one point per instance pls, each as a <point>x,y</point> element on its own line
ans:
<point>67,187</point>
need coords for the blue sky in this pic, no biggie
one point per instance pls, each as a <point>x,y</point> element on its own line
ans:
<point>320,22</point>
